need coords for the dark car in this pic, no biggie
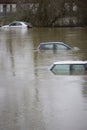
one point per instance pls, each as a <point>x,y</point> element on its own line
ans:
<point>55,46</point>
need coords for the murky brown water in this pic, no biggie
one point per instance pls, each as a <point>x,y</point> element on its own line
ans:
<point>31,97</point>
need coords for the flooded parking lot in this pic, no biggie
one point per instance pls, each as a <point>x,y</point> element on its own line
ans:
<point>33,98</point>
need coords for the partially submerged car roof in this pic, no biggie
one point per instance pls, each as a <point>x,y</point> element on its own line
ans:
<point>70,62</point>
<point>52,42</point>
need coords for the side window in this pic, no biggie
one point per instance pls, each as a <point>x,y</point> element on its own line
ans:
<point>12,24</point>
<point>48,46</point>
<point>78,67</point>
<point>85,66</point>
<point>61,47</point>
<point>18,24</point>
<point>60,68</point>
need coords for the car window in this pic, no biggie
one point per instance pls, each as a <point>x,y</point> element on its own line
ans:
<point>15,24</point>
<point>18,24</point>
<point>12,24</point>
<point>78,67</point>
<point>47,46</point>
<point>85,66</point>
<point>61,47</point>
<point>60,67</point>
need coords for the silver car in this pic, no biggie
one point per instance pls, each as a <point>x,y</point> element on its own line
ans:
<point>55,46</point>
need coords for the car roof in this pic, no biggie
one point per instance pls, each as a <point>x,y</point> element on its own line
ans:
<point>17,22</point>
<point>62,43</point>
<point>70,62</point>
<point>51,42</point>
<point>22,22</point>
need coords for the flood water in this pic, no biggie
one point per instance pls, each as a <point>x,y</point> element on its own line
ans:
<point>33,98</point>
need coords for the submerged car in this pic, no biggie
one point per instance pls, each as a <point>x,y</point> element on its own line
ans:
<point>55,46</point>
<point>69,67</point>
<point>17,24</point>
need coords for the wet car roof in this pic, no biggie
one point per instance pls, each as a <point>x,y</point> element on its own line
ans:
<point>71,62</point>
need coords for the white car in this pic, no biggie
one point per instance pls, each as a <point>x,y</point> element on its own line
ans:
<point>69,67</point>
<point>17,24</point>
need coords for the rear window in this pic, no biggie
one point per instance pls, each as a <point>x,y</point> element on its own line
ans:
<point>61,47</point>
<point>78,67</point>
<point>18,24</point>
